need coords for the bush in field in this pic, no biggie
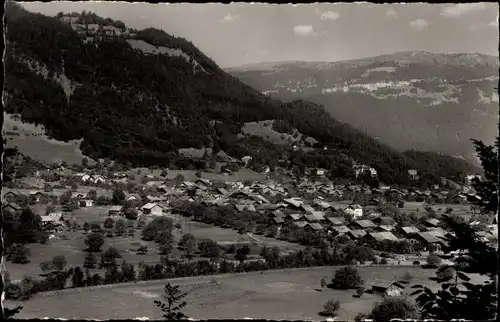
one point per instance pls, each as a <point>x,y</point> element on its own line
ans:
<point>394,308</point>
<point>346,278</point>
<point>109,223</point>
<point>120,227</point>
<point>90,261</point>
<point>330,308</point>
<point>433,260</point>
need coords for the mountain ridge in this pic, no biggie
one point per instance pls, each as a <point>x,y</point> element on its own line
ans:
<point>84,78</point>
<point>446,97</point>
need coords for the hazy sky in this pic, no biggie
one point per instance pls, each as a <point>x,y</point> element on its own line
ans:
<point>241,33</point>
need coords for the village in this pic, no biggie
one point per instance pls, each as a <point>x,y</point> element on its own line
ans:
<point>401,225</point>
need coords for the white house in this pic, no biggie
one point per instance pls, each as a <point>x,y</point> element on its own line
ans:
<point>86,203</point>
<point>152,209</point>
<point>52,221</point>
<point>356,211</point>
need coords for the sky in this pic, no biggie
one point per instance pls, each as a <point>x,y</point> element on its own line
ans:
<point>242,33</point>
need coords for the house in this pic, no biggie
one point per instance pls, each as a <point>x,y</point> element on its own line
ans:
<point>294,217</point>
<point>77,195</point>
<point>433,222</point>
<point>319,172</point>
<point>340,230</point>
<point>409,231</point>
<point>85,178</point>
<point>152,209</point>
<point>86,203</point>
<point>382,228</point>
<point>37,196</point>
<point>307,208</point>
<point>115,210</point>
<point>413,174</point>
<point>294,202</point>
<point>278,220</point>
<point>380,236</point>
<point>356,211</point>
<point>300,224</point>
<point>314,227</point>
<point>10,196</point>
<point>337,221</point>
<point>12,207</point>
<point>242,207</point>
<point>364,224</point>
<point>356,234</point>
<point>429,240</point>
<point>387,288</point>
<point>52,222</point>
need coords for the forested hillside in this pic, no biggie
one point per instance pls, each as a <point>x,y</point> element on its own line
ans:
<point>139,107</point>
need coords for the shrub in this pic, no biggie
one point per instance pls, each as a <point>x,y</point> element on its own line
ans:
<point>416,263</point>
<point>433,260</point>
<point>394,308</point>
<point>383,261</point>
<point>330,308</point>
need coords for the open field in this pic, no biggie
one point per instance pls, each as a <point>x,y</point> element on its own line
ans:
<point>285,294</point>
<point>33,142</point>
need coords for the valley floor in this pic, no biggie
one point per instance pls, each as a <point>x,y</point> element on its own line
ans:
<point>292,294</point>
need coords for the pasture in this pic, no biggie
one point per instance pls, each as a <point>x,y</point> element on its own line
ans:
<point>292,294</point>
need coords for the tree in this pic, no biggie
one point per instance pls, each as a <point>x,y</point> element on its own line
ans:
<point>164,173</point>
<point>77,278</point>
<point>118,196</point>
<point>85,162</point>
<point>86,226</point>
<point>360,291</point>
<point>487,189</point>
<point>9,313</point>
<point>189,246</point>
<point>153,229</point>
<point>393,308</point>
<point>474,256</point>
<point>90,261</point>
<point>94,242</point>
<point>130,213</point>
<point>128,271</point>
<point>109,223</point>
<point>433,260</point>
<point>59,262</point>
<point>242,253</point>
<point>18,254</point>
<point>166,243</point>
<point>323,282</point>
<point>346,278</point>
<point>175,302</point>
<point>92,194</point>
<point>209,248</point>
<point>179,179</point>
<point>120,227</point>
<point>330,308</point>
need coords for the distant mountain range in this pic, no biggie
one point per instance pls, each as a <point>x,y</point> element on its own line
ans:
<point>144,98</point>
<point>409,100</point>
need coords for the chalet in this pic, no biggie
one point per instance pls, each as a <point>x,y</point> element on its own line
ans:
<point>10,196</point>
<point>222,191</point>
<point>388,288</point>
<point>37,196</point>
<point>314,227</point>
<point>356,211</point>
<point>260,199</point>
<point>380,236</point>
<point>383,228</point>
<point>77,195</point>
<point>337,221</point>
<point>340,230</point>
<point>429,240</point>
<point>12,207</point>
<point>278,220</point>
<point>413,174</point>
<point>86,203</point>
<point>294,217</point>
<point>322,204</point>
<point>364,224</point>
<point>300,224</point>
<point>312,218</point>
<point>152,209</point>
<point>242,207</point>
<point>133,197</point>
<point>294,202</point>
<point>307,208</point>
<point>374,215</point>
<point>356,234</point>
<point>319,172</point>
<point>115,210</point>
<point>85,178</point>
<point>433,222</point>
<point>409,231</point>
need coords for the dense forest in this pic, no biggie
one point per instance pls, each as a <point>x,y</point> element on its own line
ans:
<point>141,109</point>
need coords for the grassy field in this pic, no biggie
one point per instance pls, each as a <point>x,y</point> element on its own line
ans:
<point>286,294</point>
<point>33,142</point>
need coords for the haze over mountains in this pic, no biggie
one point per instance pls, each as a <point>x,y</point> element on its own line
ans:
<point>142,96</point>
<point>409,100</point>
